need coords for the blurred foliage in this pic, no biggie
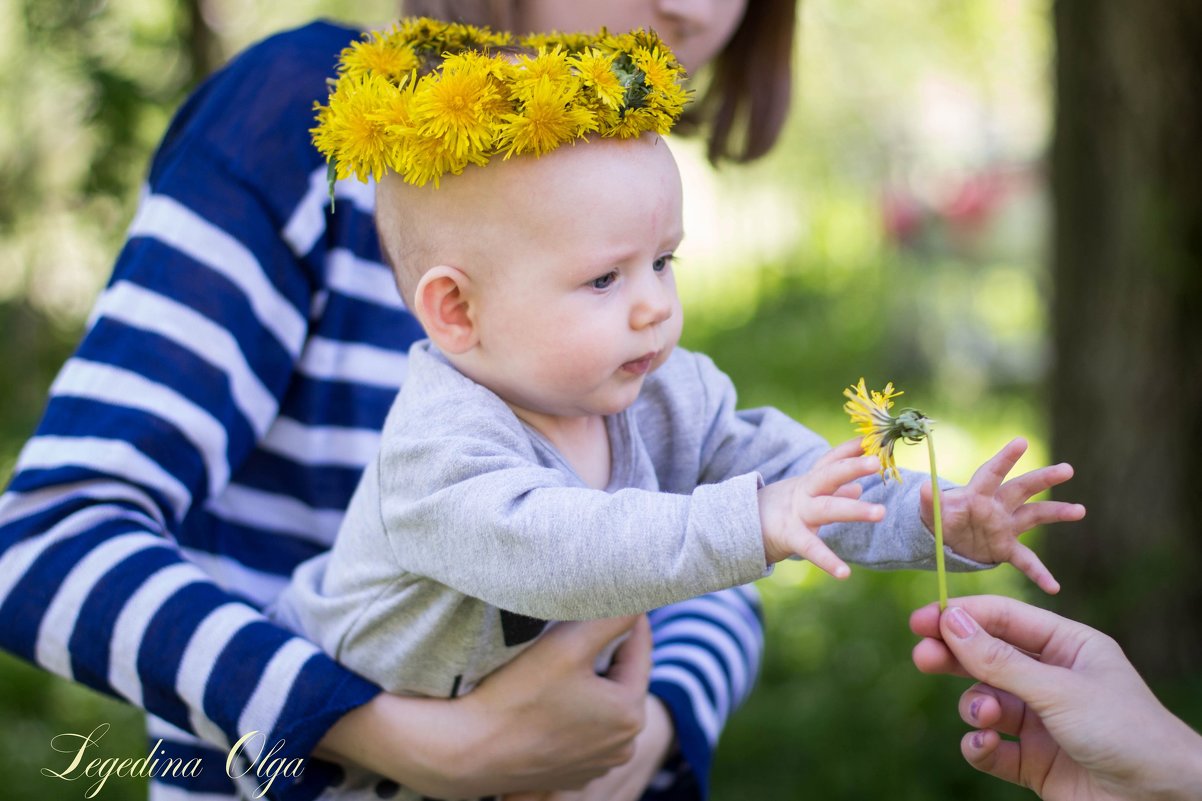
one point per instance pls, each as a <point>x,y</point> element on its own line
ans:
<point>896,233</point>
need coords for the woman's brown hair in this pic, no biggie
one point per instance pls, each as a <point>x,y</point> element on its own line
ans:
<point>750,84</point>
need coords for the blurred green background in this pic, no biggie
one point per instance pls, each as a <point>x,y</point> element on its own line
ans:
<point>899,231</point>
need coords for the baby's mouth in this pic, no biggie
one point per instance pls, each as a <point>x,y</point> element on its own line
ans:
<point>641,365</point>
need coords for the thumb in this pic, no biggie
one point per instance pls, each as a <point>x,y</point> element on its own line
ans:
<point>631,665</point>
<point>584,641</point>
<point>991,660</point>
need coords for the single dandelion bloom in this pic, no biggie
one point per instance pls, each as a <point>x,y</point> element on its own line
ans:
<point>396,111</point>
<point>532,71</point>
<point>869,412</point>
<point>659,68</point>
<point>596,71</point>
<point>422,159</point>
<point>378,53</point>
<point>671,100</point>
<point>547,120</point>
<point>349,131</point>
<point>420,32</point>
<point>456,104</point>
<point>636,122</point>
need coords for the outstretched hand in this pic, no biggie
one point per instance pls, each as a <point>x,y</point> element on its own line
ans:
<point>984,519</point>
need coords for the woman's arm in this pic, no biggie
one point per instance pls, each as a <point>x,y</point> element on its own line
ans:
<point>149,475</point>
<point>110,535</point>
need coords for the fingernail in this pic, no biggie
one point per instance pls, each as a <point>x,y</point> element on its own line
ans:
<point>974,709</point>
<point>978,740</point>
<point>960,623</point>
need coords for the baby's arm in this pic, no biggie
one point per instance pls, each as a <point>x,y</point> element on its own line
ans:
<point>981,521</point>
<point>483,519</point>
<point>696,404</point>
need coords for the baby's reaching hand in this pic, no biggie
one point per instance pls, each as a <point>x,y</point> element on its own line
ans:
<point>792,510</point>
<point>983,519</point>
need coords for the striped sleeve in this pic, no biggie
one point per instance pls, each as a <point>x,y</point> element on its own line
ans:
<point>705,661</point>
<point>179,375</point>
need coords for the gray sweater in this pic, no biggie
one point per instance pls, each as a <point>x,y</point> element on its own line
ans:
<point>469,530</point>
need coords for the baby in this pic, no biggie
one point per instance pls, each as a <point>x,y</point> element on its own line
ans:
<point>553,455</point>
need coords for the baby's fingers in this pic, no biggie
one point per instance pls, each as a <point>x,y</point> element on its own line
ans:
<point>1028,485</point>
<point>990,475</point>
<point>828,478</point>
<point>1029,564</point>
<point>852,490</point>
<point>814,550</point>
<point>836,509</point>
<point>843,450</point>
<point>1042,513</point>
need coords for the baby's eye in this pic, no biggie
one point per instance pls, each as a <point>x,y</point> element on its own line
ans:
<point>604,281</point>
<point>663,262</point>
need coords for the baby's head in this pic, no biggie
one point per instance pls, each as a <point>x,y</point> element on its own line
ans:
<point>527,203</point>
<point>548,280</point>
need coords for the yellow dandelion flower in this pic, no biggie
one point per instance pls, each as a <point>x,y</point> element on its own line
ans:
<point>644,39</point>
<point>576,42</point>
<point>547,119</point>
<point>869,412</point>
<point>571,42</point>
<point>637,121</point>
<point>670,100</point>
<point>540,41</point>
<point>395,112</point>
<point>458,105</point>
<point>419,32</point>
<point>622,42</point>
<point>660,69</point>
<point>607,119</point>
<point>379,53</point>
<point>596,71</point>
<point>423,159</point>
<point>349,132</point>
<point>549,65</point>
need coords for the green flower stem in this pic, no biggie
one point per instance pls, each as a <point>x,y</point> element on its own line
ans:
<point>940,568</point>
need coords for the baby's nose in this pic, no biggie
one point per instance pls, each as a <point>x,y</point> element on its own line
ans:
<point>653,308</point>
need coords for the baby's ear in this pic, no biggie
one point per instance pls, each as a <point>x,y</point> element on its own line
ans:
<point>442,303</point>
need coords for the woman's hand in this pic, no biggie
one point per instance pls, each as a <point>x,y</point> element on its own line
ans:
<point>544,721</point>
<point>625,782</point>
<point>1087,726</point>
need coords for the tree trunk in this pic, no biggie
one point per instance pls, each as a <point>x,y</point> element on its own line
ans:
<point>1127,264</point>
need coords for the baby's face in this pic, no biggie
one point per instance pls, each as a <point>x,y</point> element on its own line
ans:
<point>570,260</point>
<point>581,305</point>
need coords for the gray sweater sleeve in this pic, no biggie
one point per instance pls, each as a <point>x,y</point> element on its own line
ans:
<point>464,501</point>
<point>726,441</point>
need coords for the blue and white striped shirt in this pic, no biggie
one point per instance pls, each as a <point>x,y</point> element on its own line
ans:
<point>207,435</point>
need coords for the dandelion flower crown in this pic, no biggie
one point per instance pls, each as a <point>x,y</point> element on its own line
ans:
<point>427,98</point>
